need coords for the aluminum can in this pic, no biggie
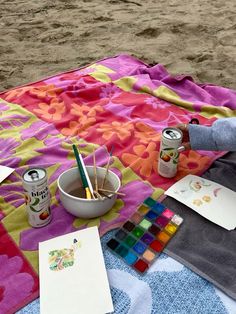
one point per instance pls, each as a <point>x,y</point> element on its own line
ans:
<point>37,197</point>
<point>169,156</point>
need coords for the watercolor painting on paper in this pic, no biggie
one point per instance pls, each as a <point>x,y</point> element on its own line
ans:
<point>72,274</point>
<point>209,199</point>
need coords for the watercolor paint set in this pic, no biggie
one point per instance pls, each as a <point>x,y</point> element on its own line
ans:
<point>143,237</point>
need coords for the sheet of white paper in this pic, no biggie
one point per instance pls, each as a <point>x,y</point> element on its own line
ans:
<point>209,199</point>
<point>73,276</point>
<point>5,172</point>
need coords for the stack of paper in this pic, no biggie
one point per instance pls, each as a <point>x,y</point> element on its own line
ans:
<point>72,274</point>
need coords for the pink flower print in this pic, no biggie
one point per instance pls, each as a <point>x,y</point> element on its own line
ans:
<point>109,91</point>
<point>10,280</point>
<point>3,107</point>
<point>39,130</point>
<point>85,71</point>
<point>156,102</point>
<point>13,193</point>
<point>7,147</point>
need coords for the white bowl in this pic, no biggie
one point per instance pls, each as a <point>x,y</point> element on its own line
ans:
<point>82,207</point>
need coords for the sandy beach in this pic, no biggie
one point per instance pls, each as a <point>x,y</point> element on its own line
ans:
<point>41,38</point>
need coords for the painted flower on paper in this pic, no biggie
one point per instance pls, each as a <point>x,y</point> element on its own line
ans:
<point>192,163</point>
<point>197,202</point>
<point>146,134</point>
<point>144,159</point>
<point>52,111</point>
<point>63,258</point>
<point>120,129</point>
<point>45,90</point>
<point>206,198</point>
<point>11,278</point>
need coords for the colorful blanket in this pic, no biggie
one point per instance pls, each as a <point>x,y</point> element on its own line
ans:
<point>119,102</point>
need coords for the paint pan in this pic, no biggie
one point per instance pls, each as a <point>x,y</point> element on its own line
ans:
<point>143,237</point>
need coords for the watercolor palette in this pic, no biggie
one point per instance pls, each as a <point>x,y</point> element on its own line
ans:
<point>143,237</point>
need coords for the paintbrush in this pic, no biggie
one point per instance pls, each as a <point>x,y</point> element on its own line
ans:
<point>112,192</point>
<point>95,176</point>
<point>87,176</point>
<point>105,195</point>
<point>82,170</point>
<point>107,168</point>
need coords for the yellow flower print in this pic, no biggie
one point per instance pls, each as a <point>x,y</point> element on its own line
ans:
<point>146,134</point>
<point>144,158</point>
<point>206,198</point>
<point>45,90</point>
<point>120,129</point>
<point>53,111</point>
<point>197,202</point>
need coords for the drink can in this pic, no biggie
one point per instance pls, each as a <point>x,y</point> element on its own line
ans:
<point>169,156</point>
<point>37,197</point>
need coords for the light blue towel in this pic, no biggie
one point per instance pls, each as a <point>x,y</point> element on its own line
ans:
<point>167,288</point>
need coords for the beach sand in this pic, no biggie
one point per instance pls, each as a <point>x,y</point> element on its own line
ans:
<point>42,38</point>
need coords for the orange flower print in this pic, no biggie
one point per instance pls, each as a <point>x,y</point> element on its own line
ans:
<point>144,159</point>
<point>72,129</point>
<point>16,93</point>
<point>85,112</point>
<point>120,129</point>
<point>45,90</point>
<point>146,134</point>
<point>193,163</point>
<point>53,111</point>
<point>76,128</point>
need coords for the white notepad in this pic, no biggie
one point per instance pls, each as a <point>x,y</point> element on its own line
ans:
<point>73,276</point>
<point>209,199</point>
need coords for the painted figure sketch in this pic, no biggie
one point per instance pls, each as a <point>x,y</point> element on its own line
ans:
<point>63,258</point>
<point>210,199</point>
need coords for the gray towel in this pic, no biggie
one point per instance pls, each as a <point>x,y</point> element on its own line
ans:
<point>204,247</point>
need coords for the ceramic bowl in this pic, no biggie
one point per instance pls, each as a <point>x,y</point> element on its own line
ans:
<point>82,207</point>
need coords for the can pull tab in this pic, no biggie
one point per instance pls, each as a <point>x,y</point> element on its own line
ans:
<point>180,149</point>
<point>34,174</point>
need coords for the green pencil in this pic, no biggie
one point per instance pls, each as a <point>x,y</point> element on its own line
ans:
<point>82,174</point>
